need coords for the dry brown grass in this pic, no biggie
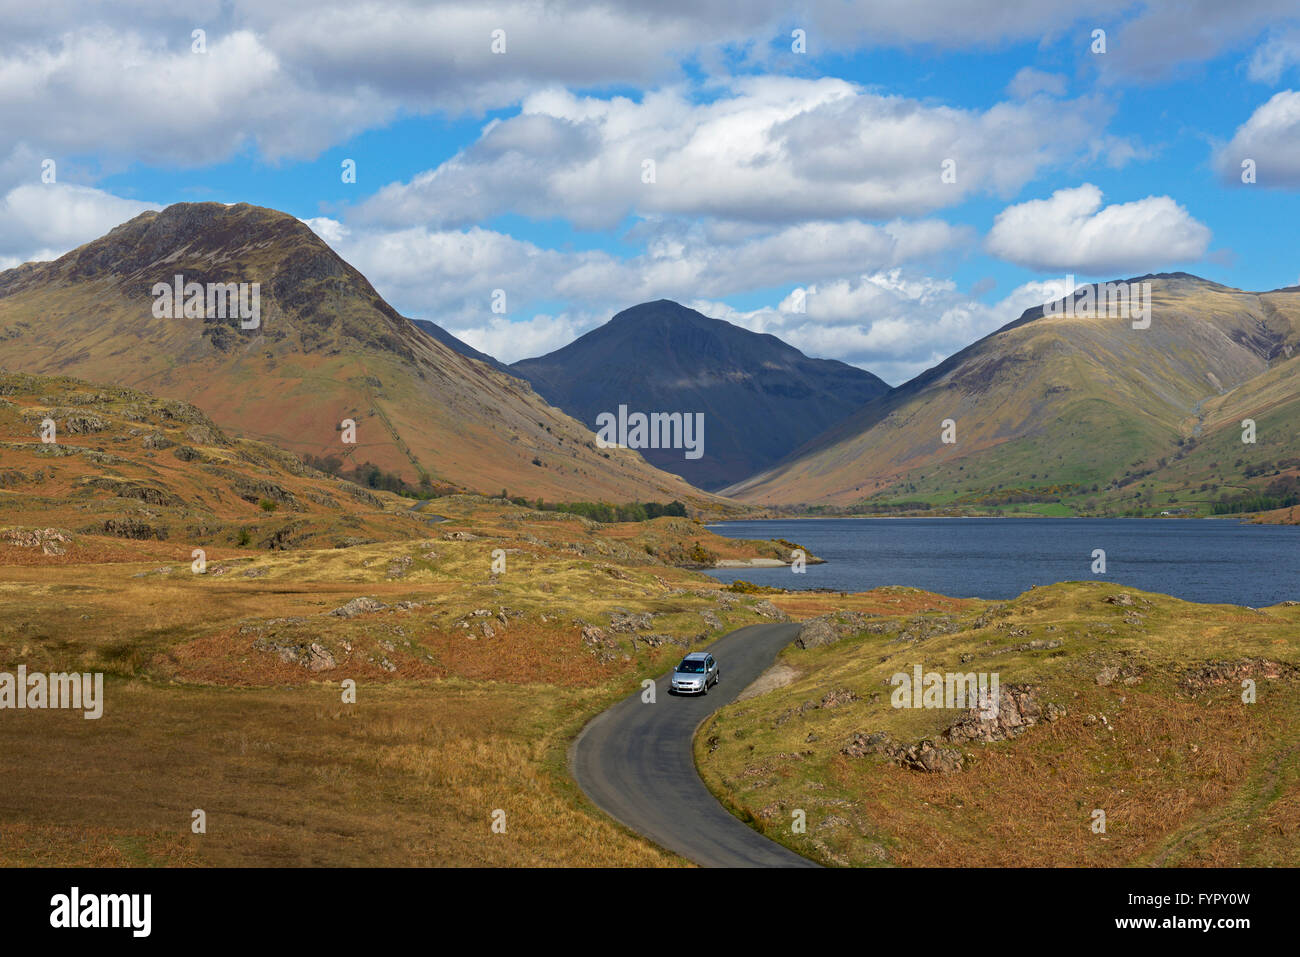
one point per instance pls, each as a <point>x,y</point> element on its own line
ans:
<point>896,600</point>
<point>1031,805</point>
<point>409,776</point>
<point>198,716</point>
<point>1186,775</point>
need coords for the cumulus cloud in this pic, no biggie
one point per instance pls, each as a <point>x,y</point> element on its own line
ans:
<point>1072,230</point>
<point>895,323</point>
<point>293,77</point>
<point>450,275</point>
<point>510,341</point>
<point>770,149</point>
<point>1155,39</point>
<point>1030,82</point>
<point>119,94</point>
<point>41,221</point>
<point>760,181</point>
<point>1271,137</point>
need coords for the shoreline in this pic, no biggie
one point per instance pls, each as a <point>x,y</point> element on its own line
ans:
<point>958,518</point>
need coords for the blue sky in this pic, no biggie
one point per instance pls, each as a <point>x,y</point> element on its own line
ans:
<point>776,171</point>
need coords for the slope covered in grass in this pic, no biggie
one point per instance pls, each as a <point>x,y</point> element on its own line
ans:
<point>479,646</point>
<point>1137,711</point>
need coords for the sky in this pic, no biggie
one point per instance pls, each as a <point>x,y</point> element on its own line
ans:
<point>876,182</point>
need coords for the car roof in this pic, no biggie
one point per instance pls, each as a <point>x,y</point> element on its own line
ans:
<point>696,655</point>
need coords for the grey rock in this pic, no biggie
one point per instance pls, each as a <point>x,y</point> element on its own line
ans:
<point>358,606</point>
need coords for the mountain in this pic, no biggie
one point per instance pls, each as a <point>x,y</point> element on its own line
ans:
<point>1055,405</point>
<point>456,345</point>
<point>760,397</point>
<point>326,348</point>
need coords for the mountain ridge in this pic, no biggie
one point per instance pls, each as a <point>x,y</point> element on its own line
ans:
<point>760,396</point>
<point>1041,389</point>
<point>328,348</point>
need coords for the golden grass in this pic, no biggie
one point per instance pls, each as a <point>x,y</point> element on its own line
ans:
<point>893,600</point>
<point>408,776</point>
<point>198,716</point>
<point>1187,775</point>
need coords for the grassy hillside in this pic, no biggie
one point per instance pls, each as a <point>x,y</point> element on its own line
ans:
<point>1069,409</point>
<point>328,348</point>
<point>139,476</point>
<point>1134,705</point>
<point>224,689</point>
<point>224,692</point>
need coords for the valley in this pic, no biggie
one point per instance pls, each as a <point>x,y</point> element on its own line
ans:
<point>318,622</point>
<point>352,682</point>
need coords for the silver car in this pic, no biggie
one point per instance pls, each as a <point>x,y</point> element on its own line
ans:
<point>695,673</point>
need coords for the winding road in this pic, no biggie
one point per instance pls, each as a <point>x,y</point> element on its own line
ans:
<point>635,761</point>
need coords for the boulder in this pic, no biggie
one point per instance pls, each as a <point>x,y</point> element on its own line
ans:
<point>878,742</point>
<point>1018,710</point>
<point>769,610</point>
<point>311,655</point>
<point>924,756</point>
<point>816,632</point>
<point>358,606</point>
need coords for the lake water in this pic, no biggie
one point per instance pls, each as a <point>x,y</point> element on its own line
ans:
<point>1202,560</point>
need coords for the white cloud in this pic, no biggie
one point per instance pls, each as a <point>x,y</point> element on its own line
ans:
<point>42,221</point>
<point>118,94</point>
<point>1275,57</point>
<point>333,232</point>
<point>1158,38</point>
<point>1271,137</point>
<point>1030,82</point>
<point>510,341</point>
<point>1072,230</point>
<point>893,323</point>
<point>295,77</point>
<point>449,275</point>
<point>770,150</point>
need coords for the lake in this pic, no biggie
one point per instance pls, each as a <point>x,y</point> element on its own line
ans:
<point>1205,560</point>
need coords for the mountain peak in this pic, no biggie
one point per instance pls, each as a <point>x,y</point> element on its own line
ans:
<point>322,348</point>
<point>1025,393</point>
<point>227,243</point>
<point>656,309</point>
<point>760,397</point>
<point>201,227</point>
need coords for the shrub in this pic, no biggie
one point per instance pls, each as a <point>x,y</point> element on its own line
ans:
<point>749,588</point>
<point>701,555</point>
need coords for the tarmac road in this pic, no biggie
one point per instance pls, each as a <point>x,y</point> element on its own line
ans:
<point>635,761</point>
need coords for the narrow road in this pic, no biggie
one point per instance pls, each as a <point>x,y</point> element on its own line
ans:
<point>431,519</point>
<point>635,762</point>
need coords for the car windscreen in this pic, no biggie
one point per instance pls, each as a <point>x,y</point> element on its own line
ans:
<point>692,667</point>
